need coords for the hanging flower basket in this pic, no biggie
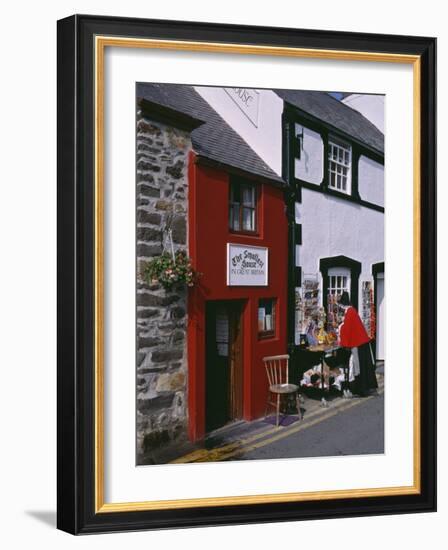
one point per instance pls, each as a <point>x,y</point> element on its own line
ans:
<point>170,270</point>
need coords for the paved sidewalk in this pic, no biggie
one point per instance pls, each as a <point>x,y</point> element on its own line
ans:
<point>361,418</point>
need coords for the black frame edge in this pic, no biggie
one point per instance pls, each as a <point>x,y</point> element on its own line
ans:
<point>428,258</point>
<point>67,486</point>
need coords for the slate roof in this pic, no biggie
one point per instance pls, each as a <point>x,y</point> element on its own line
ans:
<point>335,114</point>
<point>215,139</point>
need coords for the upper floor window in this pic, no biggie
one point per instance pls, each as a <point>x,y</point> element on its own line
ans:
<point>339,165</point>
<point>243,207</point>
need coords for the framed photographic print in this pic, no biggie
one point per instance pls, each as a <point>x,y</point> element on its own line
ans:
<point>246,274</point>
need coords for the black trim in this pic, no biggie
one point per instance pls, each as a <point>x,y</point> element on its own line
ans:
<point>356,154</point>
<point>341,261</point>
<point>76,406</point>
<point>324,186</point>
<point>298,233</point>
<point>288,157</point>
<point>339,195</point>
<point>292,194</point>
<point>291,117</point>
<point>303,118</point>
<point>376,268</point>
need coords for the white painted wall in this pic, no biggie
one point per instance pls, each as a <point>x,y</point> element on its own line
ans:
<point>265,135</point>
<point>334,227</point>
<point>371,106</point>
<point>310,166</point>
<point>371,180</point>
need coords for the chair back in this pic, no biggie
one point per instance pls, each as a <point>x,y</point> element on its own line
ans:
<point>277,369</point>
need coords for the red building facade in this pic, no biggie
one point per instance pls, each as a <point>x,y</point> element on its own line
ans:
<point>232,327</point>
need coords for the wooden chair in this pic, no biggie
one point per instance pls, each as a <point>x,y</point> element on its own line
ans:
<point>277,370</point>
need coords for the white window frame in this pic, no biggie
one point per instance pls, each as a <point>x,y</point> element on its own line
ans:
<point>339,165</point>
<point>339,287</point>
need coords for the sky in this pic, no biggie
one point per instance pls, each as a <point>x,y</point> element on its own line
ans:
<point>337,95</point>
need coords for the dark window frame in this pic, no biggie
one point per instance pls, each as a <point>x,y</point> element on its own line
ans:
<point>234,182</point>
<point>265,334</point>
<point>341,261</point>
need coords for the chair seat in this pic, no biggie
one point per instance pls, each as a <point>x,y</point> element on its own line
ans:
<point>283,388</point>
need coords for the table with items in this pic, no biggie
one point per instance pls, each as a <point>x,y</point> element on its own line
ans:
<point>321,362</point>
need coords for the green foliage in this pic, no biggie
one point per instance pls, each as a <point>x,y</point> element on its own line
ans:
<point>170,272</point>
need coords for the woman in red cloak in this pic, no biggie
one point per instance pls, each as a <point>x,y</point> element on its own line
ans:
<point>353,335</point>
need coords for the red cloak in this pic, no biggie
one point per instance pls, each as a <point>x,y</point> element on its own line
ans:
<point>352,332</point>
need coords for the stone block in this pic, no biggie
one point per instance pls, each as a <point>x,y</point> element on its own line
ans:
<point>155,439</point>
<point>176,170</point>
<point>166,326</point>
<point>147,190</point>
<point>142,201</point>
<point>147,313</point>
<point>173,381</point>
<point>147,342</point>
<point>148,234</point>
<point>145,145</point>
<point>155,404</point>
<point>148,217</point>
<point>149,250</point>
<point>140,358</point>
<point>178,312</point>
<point>147,166</point>
<point>163,204</point>
<point>179,229</point>
<point>162,356</point>
<point>145,299</point>
<point>178,336</point>
<point>147,127</point>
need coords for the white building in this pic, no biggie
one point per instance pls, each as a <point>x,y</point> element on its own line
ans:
<point>332,156</point>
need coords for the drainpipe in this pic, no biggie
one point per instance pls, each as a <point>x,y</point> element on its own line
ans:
<point>291,195</point>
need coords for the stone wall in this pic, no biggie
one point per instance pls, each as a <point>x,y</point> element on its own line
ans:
<point>162,165</point>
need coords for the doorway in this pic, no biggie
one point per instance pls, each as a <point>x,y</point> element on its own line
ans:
<point>224,363</point>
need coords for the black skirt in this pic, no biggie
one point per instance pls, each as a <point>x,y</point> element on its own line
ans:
<point>366,380</point>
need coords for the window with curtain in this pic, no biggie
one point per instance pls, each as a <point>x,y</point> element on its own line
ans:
<point>243,207</point>
<point>266,318</point>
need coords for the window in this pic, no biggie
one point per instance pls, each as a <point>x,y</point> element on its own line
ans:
<point>243,207</point>
<point>266,318</point>
<point>339,166</point>
<point>339,273</point>
<point>338,282</point>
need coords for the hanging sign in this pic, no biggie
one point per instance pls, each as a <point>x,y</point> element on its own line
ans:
<point>247,265</point>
